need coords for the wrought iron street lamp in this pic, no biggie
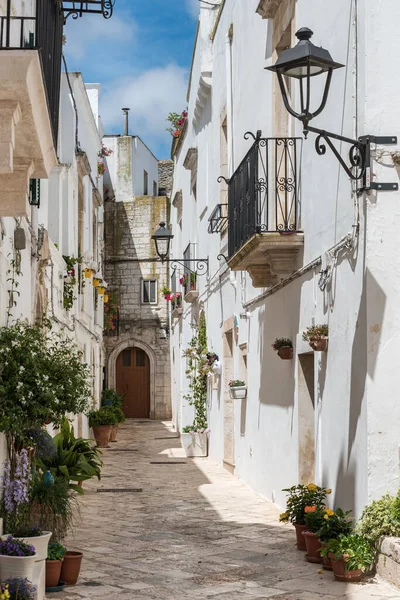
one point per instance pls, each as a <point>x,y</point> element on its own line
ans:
<point>302,63</point>
<point>162,240</point>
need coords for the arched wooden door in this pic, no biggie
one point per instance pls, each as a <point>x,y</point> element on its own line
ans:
<point>133,382</point>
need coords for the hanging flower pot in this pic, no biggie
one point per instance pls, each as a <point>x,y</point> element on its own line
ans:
<point>319,344</point>
<point>96,281</point>
<point>285,353</point>
<point>88,273</point>
<point>105,298</point>
<point>237,389</point>
<point>101,290</point>
<point>284,348</point>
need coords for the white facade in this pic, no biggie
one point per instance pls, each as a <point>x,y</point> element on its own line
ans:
<point>333,416</point>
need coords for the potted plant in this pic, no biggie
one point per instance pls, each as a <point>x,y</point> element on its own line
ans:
<point>184,280</point>
<point>193,281</point>
<point>300,496</point>
<point>166,292</point>
<point>351,555</point>
<point>317,337</point>
<point>120,419</point>
<point>88,272</point>
<point>109,397</point>
<point>195,440</point>
<point>335,523</point>
<point>75,460</point>
<point>18,589</point>
<point>313,520</point>
<point>237,389</point>
<point>55,557</point>
<point>17,559</point>
<point>284,348</point>
<point>71,567</point>
<point>102,421</point>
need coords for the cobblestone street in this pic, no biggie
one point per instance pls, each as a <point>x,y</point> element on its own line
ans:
<point>190,530</point>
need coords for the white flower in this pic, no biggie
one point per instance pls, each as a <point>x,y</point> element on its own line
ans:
<point>22,369</point>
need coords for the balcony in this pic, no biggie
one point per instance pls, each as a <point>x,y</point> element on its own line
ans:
<point>264,237</point>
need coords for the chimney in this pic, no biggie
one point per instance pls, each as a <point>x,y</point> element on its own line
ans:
<point>126,114</point>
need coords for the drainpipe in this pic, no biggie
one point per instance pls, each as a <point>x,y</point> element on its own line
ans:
<point>229,99</point>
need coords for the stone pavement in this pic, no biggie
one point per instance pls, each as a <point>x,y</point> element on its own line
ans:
<point>194,531</point>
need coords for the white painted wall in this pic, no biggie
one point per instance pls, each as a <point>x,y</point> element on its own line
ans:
<point>356,414</point>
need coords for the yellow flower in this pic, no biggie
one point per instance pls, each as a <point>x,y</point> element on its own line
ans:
<point>326,517</point>
<point>329,512</point>
<point>320,571</point>
<point>312,487</point>
<point>283,517</point>
<point>329,491</point>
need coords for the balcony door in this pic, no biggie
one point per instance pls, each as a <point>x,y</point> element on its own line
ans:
<point>133,382</point>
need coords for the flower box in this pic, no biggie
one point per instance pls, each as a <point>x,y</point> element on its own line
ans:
<point>238,392</point>
<point>191,296</point>
<point>195,444</point>
<point>177,312</point>
<point>319,344</point>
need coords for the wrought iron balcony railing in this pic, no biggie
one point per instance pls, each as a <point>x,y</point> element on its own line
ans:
<point>42,30</point>
<point>263,193</point>
<point>218,219</point>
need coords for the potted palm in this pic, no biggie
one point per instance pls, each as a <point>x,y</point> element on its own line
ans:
<point>102,421</point>
<point>55,557</point>
<point>317,337</point>
<point>351,555</point>
<point>300,496</point>
<point>17,559</point>
<point>237,389</point>
<point>335,523</point>
<point>284,348</point>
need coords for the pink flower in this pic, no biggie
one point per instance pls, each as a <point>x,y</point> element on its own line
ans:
<point>184,114</point>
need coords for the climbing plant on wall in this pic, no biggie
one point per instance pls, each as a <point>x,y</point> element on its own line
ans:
<point>198,369</point>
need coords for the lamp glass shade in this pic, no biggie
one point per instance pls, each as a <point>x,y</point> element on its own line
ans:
<point>162,239</point>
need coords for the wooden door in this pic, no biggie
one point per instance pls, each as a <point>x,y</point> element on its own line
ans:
<point>133,382</point>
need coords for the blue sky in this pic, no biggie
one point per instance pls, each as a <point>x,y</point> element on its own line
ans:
<point>141,57</point>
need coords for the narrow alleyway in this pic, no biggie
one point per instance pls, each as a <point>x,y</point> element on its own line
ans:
<point>160,526</point>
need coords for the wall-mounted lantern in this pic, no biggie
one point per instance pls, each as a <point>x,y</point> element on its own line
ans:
<point>162,240</point>
<point>302,63</point>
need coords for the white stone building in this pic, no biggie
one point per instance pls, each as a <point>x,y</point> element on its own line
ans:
<point>330,416</point>
<point>138,363</point>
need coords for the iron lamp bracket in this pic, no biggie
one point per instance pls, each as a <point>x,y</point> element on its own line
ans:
<point>201,265</point>
<point>359,156</point>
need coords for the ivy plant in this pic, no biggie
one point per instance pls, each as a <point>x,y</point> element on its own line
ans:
<point>198,369</point>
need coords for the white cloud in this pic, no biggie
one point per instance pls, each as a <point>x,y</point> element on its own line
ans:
<point>92,30</point>
<point>150,96</point>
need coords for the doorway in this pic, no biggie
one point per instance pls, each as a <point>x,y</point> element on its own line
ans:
<point>306,416</point>
<point>229,406</point>
<point>133,382</point>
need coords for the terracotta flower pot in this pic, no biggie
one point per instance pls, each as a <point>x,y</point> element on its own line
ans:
<point>326,561</point>
<point>285,353</point>
<point>313,545</point>
<point>53,572</point>
<point>71,567</point>
<point>192,286</point>
<point>114,433</point>
<point>319,344</point>
<point>102,434</point>
<point>339,572</point>
<point>301,542</point>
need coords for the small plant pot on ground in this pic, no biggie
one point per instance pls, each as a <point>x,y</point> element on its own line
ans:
<point>319,344</point>
<point>195,444</point>
<point>102,434</point>
<point>339,571</point>
<point>285,353</point>
<point>326,561</point>
<point>53,573</point>
<point>71,567</point>
<point>300,540</point>
<point>113,438</point>
<point>313,546</point>
<point>238,392</point>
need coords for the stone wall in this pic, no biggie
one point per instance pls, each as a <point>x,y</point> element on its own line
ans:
<point>165,177</point>
<point>130,257</point>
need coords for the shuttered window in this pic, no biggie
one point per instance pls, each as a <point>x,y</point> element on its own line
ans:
<point>149,291</point>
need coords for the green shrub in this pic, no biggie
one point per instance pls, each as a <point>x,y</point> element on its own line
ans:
<point>111,398</point>
<point>119,415</point>
<point>56,551</point>
<point>381,518</point>
<point>103,416</point>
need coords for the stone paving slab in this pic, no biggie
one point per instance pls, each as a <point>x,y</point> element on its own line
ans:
<point>194,532</point>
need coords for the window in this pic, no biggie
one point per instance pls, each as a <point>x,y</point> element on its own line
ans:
<point>149,291</point>
<point>126,357</point>
<point>154,188</point>
<point>145,183</point>
<point>140,357</point>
